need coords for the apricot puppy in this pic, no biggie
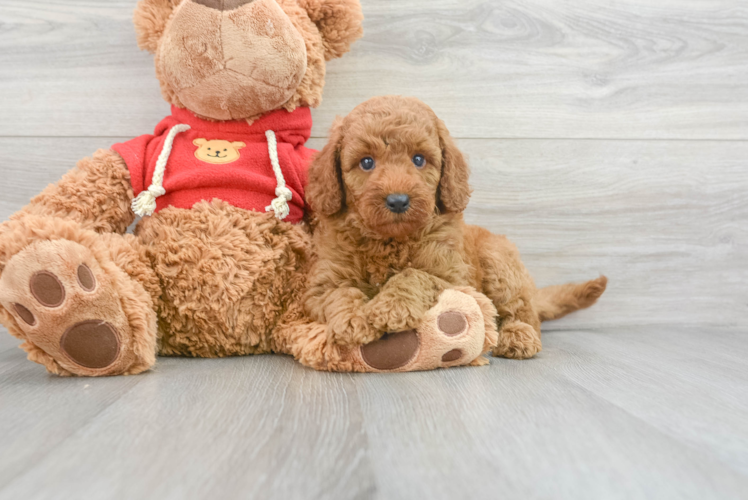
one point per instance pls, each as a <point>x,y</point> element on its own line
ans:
<point>388,191</point>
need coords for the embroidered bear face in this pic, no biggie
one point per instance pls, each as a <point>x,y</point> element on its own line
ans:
<point>217,151</point>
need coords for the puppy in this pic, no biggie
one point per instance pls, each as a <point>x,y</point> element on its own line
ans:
<point>388,191</point>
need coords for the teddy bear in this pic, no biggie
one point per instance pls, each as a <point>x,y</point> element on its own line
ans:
<point>217,265</point>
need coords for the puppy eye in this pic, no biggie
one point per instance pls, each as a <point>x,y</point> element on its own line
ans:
<point>208,149</point>
<point>419,161</point>
<point>225,149</point>
<point>367,164</point>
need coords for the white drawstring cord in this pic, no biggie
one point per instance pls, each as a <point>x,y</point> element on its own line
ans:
<point>145,203</point>
<point>280,204</point>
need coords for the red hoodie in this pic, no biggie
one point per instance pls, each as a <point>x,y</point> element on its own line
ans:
<point>228,160</point>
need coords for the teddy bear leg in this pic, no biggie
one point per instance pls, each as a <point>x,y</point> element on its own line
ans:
<point>79,300</point>
<point>457,331</point>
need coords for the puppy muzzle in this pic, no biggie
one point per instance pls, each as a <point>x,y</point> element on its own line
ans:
<point>397,203</point>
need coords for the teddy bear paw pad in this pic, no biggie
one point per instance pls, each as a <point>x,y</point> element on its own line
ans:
<point>452,355</point>
<point>452,323</point>
<point>66,304</point>
<point>392,351</point>
<point>92,343</point>
<point>47,289</point>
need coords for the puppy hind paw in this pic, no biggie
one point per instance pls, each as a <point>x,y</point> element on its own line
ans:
<point>518,341</point>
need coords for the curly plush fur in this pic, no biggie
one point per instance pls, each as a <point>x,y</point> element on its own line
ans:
<point>227,277</point>
<point>213,280</point>
<point>381,271</point>
<point>219,277</point>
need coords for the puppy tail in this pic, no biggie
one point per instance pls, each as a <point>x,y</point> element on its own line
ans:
<point>553,302</point>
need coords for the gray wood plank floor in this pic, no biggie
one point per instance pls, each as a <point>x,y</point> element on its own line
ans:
<point>604,136</point>
<point>619,413</point>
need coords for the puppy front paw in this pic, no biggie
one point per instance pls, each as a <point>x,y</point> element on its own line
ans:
<point>390,314</point>
<point>350,330</point>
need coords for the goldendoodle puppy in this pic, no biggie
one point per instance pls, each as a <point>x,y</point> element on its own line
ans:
<point>388,192</point>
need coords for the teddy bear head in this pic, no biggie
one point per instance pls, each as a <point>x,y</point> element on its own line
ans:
<point>239,59</point>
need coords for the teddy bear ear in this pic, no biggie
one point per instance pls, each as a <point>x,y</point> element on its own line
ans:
<point>150,19</point>
<point>338,21</point>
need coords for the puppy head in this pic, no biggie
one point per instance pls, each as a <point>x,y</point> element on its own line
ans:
<point>392,163</point>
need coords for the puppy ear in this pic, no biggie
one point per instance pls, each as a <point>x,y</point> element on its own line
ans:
<point>150,19</point>
<point>338,21</point>
<point>238,145</point>
<point>454,191</point>
<point>325,192</point>
<point>199,142</point>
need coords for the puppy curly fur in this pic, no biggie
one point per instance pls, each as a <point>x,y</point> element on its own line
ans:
<point>381,271</point>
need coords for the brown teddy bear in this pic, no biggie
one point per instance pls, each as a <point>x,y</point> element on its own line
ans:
<point>217,266</point>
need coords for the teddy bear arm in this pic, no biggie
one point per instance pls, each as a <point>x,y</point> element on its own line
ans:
<point>96,193</point>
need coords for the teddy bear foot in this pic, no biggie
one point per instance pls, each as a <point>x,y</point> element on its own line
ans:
<point>453,333</point>
<point>69,308</point>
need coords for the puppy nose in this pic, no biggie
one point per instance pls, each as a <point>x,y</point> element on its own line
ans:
<point>398,203</point>
<point>223,4</point>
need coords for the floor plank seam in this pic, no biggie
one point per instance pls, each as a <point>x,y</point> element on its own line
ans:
<point>365,430</point>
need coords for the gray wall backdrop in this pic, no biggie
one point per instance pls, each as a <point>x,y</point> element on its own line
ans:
<point>605,137</point>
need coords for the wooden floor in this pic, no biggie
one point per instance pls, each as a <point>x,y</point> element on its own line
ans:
<point>619,413</point>
<point>605,136</point>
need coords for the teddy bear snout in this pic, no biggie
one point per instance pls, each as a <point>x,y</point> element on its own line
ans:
<point>223,5</point>
<point>228,66</point>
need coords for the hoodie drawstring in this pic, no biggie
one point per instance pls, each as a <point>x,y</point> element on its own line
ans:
<point>280,204</point>
<point>145,203</point>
